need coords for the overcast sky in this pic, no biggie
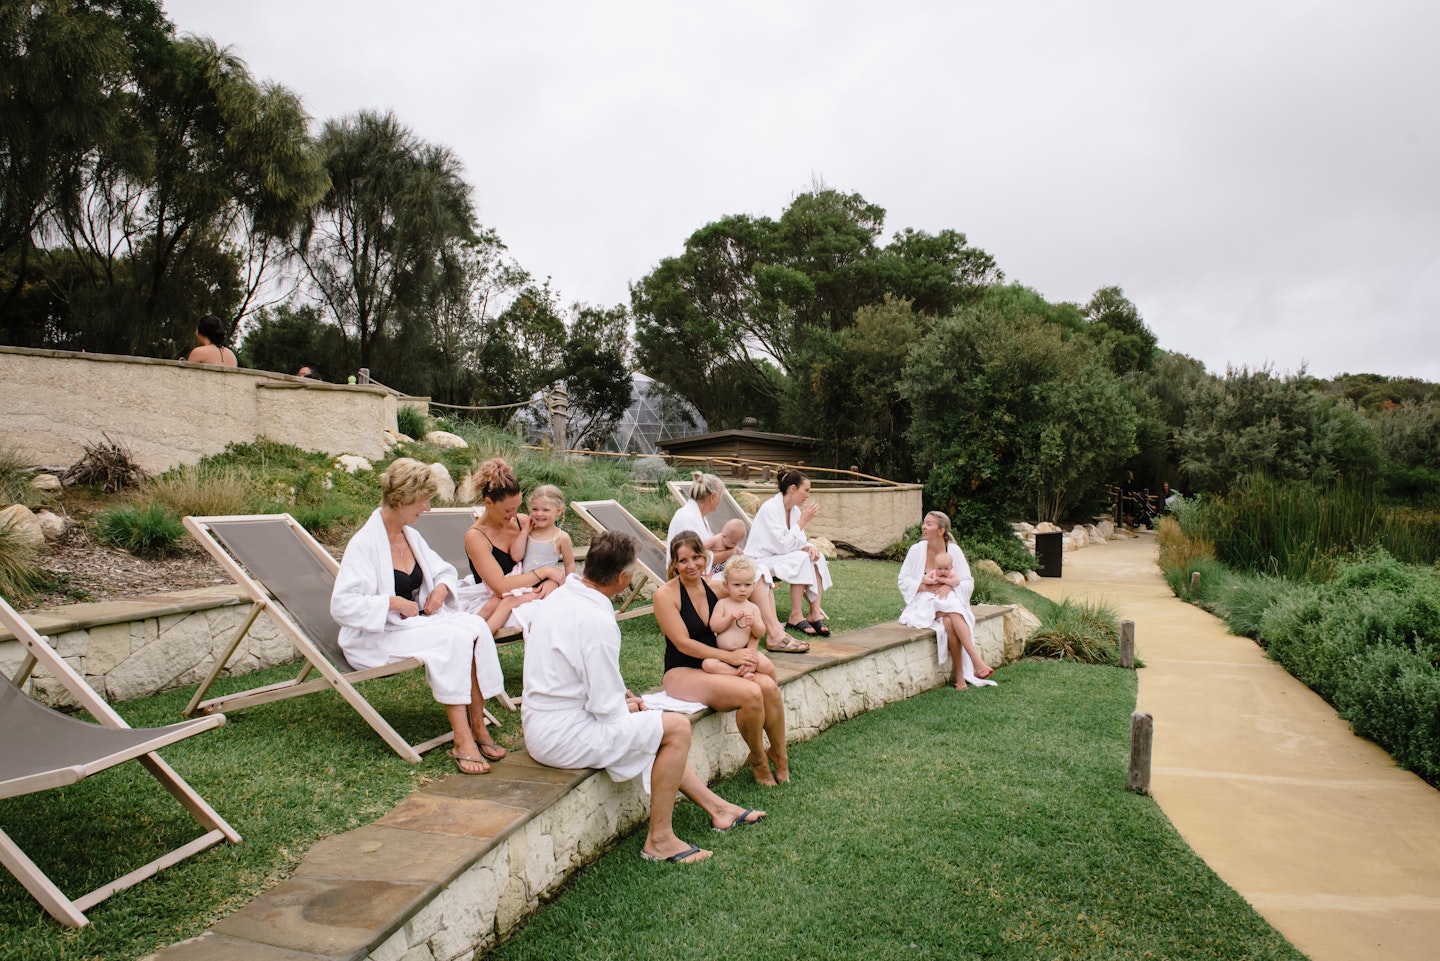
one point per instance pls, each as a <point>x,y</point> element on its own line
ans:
<point>1262,178</point>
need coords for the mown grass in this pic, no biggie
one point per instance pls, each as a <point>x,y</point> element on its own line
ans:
<point>951,825</point>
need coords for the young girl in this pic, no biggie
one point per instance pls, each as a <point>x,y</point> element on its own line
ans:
<point>541,542</point>
<point>736,621</point>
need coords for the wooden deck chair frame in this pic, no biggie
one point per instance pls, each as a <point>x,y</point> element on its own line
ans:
<point>140,746</point>
<point>335,673</point>
<point>611,515</point>
<point>729,508</point>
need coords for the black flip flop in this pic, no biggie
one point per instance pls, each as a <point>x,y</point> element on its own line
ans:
<point>804,627</point>
<point>821,627</point>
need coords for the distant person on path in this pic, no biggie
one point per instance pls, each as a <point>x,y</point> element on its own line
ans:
<point>922,579</point>
<point>577,712</point>
<point>210,333</point>
<point>395,598</point>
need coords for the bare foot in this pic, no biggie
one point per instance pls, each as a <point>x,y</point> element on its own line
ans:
<point>782,765</point>
<point>959,683</point>
<point>730,817</point>
<point>761,771</point>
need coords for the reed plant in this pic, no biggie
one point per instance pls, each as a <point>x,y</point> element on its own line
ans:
<point>203,490</point>
<point>1085,633</point>
<point>19,567</point>
<point>148,530</point>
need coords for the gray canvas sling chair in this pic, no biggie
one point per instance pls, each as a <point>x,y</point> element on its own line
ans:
<point>444,530</point>
<point>610,515</point>
<point>728,510</point>
<point>289,576</point>
<point>43,748</point>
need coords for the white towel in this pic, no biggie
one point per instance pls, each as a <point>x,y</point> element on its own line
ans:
<point>660,701</point>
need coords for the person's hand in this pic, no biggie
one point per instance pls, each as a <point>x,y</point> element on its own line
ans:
<point>634,703</point>
<point>743,658</point>
<point>812,552</point>
<point>524,521</point>
<point>403,607</point>
<point>928,578</point>
<point>436,598</point>
<point>808,512</point>
<point>742,619</point>
<point>552,573</point>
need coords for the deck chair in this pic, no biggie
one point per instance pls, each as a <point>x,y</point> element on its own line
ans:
<point>609,515</point>
<point>43,748</point>
<point>728,510</point>
<point>290,577</point>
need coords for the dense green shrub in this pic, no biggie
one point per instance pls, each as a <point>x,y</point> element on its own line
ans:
<point>1085,633</point>
<point>1244,599</point>
<point>149,530</point>
<point>412,422</point>
<point>1392,696</point>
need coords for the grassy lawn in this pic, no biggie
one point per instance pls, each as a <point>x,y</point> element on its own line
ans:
<point>990,824</point>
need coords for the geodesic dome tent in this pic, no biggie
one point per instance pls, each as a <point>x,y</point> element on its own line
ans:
<point>655,413</point>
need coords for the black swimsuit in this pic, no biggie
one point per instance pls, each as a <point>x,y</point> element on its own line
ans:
<point>408,585</point>
<point>503,558</point>
<point>695,626</point>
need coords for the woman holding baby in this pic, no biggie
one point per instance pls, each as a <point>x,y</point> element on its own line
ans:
<point>936,584</point>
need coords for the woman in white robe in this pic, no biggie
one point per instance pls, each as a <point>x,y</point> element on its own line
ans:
<point>781,552</point>
<point>949,616</point>
<point>379,626</point>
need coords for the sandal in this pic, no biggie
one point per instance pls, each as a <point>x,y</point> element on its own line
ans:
<point>493,752</point>
<point>821,627</point>
<point>460,759</point>
<point>787,645</point>
<point>803,626</point>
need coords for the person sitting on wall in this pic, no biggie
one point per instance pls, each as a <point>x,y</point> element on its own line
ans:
<point>577,712</point>
<point>210,335</point>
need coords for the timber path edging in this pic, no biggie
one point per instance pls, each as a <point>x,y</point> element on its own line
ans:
<point>452,870</point>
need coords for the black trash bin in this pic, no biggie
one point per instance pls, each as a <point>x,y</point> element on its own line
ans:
<point>1050,553</point>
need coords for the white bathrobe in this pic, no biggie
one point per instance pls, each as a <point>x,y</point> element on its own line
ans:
<point>688,518</point>
<point>778,550</point>
<point>923,608</point>
<point>371,635</point>
<point>574,710</point>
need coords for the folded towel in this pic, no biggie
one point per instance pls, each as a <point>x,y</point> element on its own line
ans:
<point>660,701</point>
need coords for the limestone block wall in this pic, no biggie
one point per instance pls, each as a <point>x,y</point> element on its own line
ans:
<point>131,649</point>
<point>871,517</point>
<point>489,900</point>
<point>171,412</point>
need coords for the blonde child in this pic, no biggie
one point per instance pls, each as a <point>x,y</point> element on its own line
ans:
<point>736,621</point>
<point>541,542</point>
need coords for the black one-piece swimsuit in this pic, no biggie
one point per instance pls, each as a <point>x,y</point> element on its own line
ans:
<point>695,626</point>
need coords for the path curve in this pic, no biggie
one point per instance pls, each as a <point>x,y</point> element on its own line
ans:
<point>1318,829</point>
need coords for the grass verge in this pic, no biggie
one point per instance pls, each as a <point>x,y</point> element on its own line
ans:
<point>947,826</point>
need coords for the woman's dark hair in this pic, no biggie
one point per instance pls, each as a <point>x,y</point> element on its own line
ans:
<point>789,478</point>
<point>688,538</point>
<point>212,328</point>
<point>497,480</point>
<point>609,554</point>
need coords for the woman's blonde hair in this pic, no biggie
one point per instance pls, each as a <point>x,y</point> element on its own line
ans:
<point>691,540</point>
<point>739,565</point>
<point>406,481</point>
<point>549,492</point>
<point>942,521</point>
<point>704,486</point>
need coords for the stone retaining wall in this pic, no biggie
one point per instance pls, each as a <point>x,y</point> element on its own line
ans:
<point>130,649</point>
<point>170,412</point>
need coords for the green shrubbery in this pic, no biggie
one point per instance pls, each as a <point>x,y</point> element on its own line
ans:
<point>1085,633</point>
<point>150,530</point>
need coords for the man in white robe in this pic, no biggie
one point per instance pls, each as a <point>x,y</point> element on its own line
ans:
<point>577,712</point>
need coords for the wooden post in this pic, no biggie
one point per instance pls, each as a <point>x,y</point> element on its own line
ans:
<point>364,375</point>
<point>1194,582</point>
<point>1142,730</point>
<point>1127,644</point>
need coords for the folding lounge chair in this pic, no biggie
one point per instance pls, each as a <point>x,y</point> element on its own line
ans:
<point>728,510</point>
<point>43,748</point>
<point>276,560</point>
<point>609,515</point>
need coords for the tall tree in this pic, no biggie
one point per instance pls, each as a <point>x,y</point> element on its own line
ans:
<point>373,247</point>
<point>1115,322</point>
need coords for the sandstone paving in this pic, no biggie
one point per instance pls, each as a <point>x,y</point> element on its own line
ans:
<point>1316,828</point>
